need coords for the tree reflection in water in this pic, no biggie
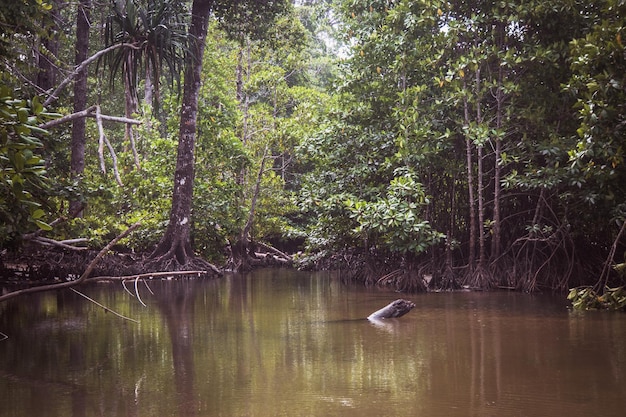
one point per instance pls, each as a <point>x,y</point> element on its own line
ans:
<point>176,304</point>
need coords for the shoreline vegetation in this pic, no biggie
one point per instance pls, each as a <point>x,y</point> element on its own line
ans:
<point>56,267</point>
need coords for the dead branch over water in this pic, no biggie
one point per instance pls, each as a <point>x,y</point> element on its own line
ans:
<point>86,278</point>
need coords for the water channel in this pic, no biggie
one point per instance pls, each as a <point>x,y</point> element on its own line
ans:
<point>285,343</point>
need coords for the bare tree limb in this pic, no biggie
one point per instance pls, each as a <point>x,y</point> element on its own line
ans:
<point>146,275</point>
<point>54,95</point>
<point>274,251</point>
<point>88,112</point>
<point>116,172</point>
<point>79,281</point>
<point>102,141</point>
<point>62,244</point>
<point>120,119</point>
<point>101,137</point>
<point>68,118</point>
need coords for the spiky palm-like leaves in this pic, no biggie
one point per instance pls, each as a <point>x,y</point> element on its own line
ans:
<point>156,34</point>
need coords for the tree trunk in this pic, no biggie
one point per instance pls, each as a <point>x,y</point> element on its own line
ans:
<point>77,159</point>
<point>241,251</point>
<point>479,178</point>
<point>500,97</point>
<point>495,238</point>
<point>46,78</point>
<point>174,251</point>
<point>470,187</point>
<point>244,101</point>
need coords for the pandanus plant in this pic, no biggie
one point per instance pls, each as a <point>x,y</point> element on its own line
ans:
<point>156,34</point>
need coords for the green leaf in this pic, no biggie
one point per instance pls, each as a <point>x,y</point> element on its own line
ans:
<point>38,214</point>
<point>43,225</point>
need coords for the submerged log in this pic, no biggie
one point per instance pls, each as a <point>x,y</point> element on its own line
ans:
<point>395,309</point>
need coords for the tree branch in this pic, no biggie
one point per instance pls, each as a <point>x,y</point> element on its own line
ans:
<point>104,140</point>
<point>89,112</point>
<point>63,244</point>
<point>79,281</point>
<point>54,95</point>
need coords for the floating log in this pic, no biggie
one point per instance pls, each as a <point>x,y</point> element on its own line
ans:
<point>395,309</point>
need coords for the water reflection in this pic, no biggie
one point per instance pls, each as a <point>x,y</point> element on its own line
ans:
<point>282,343</point>
<point>176,307</point>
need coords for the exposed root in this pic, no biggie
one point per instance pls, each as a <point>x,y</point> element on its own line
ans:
<point>246,256</point>
<point>178,256</point>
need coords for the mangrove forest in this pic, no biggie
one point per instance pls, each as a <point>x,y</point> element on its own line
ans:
<point>419,145</point>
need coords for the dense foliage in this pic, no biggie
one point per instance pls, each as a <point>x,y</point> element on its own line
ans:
<point>509,114</point>
<point>468,142</point>
<point>24,185</point>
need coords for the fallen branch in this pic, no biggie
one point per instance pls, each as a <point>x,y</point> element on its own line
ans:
<point>81,280</point>
<point>274,251</point>
<point>137,292</point>
<point>66,244</point>
<point>146,275</point>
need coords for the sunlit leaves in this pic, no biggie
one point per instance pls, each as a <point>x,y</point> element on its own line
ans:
<point>586,298</point>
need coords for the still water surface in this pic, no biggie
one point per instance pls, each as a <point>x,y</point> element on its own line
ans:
<point>284,343</point>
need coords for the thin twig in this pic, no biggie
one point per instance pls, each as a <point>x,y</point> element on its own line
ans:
<point>107,309</point>
<point>604,276</point>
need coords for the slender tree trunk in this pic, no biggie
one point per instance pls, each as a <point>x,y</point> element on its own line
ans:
<point>243,71</point>
<point>240,255</point>
<point>470,186</point>
<point>174,251</point>
<point>480,185</point>
<point>77,159</point>
<point>496,236</point>
<point>148,92</point>
<point>130,99</point>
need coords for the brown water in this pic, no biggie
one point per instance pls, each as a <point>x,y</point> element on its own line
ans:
<point>281,343</point>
